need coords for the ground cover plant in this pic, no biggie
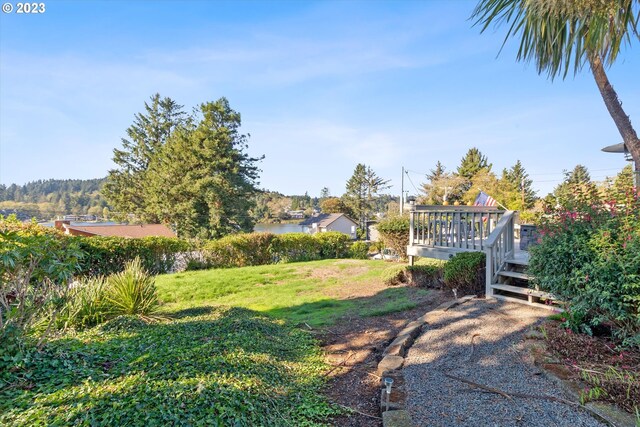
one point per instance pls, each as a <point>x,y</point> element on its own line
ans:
<point>208,366</point>
<point>228,347</point>
<point>316,292</point>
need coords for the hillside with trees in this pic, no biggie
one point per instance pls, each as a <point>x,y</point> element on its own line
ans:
<point>45,199</point>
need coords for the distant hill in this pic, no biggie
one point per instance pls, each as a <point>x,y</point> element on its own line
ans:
<point>44,199</point>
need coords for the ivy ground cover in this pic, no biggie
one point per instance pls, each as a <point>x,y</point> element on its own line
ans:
<point>228,353</point>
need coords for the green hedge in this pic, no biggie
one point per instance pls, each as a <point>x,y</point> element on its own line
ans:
<point>108,255</point>
<point>465,272</point>
<point>241,250</point>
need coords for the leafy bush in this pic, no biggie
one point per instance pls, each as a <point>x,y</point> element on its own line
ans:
<point>589,257</point>
<point>292,247</point>
<point>465,272</point>
<point>359,250</point>
<point>36,265</point>
<point>132,291</point>
<point>239,250</point>
<point>108,255</point>
<point>394,231</point>
<point>425,276</point>
<point>394,275</point>
<point>333,244</point>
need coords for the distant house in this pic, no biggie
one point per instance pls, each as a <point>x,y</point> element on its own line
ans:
<point>115,230</point>
<point>330,222</point>
<point>299,214</point>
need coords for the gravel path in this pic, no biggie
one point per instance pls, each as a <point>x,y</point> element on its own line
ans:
<point>494,360</point>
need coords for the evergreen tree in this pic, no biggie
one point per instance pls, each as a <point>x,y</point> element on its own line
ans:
<point>517,188</point>
<point>576,185</point>
<point>202,181</point>
<point>435,189</point>
<point>125,187</point>
<point>325,193</point>
<point>471,164</point>
<point>363,188</point>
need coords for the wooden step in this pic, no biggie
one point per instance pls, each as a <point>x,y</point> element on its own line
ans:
<point>522,291</point>
<point>515,275</point>
<point>534,304</point>
<point>519,261</point>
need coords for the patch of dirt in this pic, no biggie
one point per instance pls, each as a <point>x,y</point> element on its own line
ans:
<point>596,362</point>
<point>353,348</point>
<point>333,272</point>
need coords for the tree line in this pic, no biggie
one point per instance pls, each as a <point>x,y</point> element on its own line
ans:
<point>44,199</point>
<point>513,188</point>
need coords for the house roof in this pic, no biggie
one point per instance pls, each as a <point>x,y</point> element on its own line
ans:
<point>133,231</point>
<point>323,220</point>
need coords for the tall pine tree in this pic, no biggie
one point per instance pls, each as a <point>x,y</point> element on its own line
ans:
<point>471,164</point>
<point>202,181</point>
<point>125,187</point>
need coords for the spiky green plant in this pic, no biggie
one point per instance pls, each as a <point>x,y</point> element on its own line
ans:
<point>86,305</point>
<point>132,291</point>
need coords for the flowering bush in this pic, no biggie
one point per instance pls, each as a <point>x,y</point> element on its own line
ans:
<point>589,257</point>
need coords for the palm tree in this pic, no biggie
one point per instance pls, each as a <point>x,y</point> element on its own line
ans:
<point>560,35</point>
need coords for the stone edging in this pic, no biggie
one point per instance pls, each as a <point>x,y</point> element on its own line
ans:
<point>391,365</point>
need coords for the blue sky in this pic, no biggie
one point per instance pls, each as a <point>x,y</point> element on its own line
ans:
<point>321,86</point>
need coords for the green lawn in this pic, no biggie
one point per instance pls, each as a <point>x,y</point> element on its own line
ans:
<point>317,293</point>
<point>229,353</point>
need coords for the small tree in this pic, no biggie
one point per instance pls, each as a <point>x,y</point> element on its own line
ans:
<point>362,189</point>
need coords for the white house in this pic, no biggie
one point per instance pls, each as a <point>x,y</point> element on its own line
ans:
<point>330,222</point>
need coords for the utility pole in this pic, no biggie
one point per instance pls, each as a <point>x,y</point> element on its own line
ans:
<point>402,193</point>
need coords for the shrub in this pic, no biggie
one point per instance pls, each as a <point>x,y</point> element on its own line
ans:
<point>394,231</point>
<point>394,275</point>
<point>36,265</point>
<point>239,250</point>
<point>294,247</point>
<point>85,306</point>
<point>333,244</point>
<point>132,291</point>
<point>465,272</point>
<point>589,257</point>
<point>108,255</point>
<point>425,276</point>
<point>359,250</point>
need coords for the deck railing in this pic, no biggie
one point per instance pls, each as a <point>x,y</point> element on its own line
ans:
<point>500,246</point>
<point>461,227</point>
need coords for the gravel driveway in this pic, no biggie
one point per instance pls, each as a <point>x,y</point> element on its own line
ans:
<point>481,341</point>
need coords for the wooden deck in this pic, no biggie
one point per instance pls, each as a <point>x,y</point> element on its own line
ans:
<point>443,231</point>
